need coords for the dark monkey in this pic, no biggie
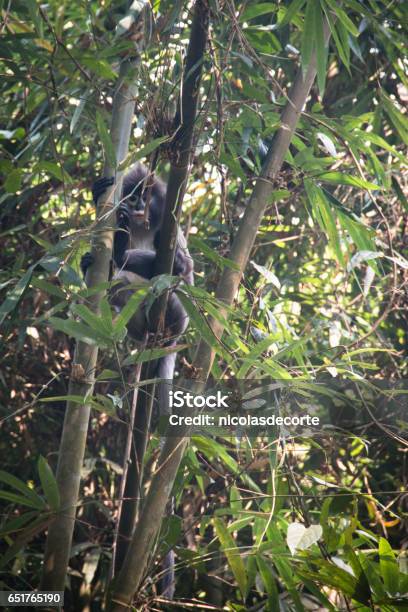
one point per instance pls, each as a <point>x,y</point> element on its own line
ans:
<point>134,256</point>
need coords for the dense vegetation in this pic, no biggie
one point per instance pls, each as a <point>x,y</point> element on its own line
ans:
<point>322,303</point>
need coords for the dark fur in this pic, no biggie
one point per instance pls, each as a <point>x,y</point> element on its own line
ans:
<point>134,252</point>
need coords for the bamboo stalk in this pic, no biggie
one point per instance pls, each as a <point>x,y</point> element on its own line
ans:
<point>73,442</point>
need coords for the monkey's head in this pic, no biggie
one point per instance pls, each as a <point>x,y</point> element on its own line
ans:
<point>136,195</point>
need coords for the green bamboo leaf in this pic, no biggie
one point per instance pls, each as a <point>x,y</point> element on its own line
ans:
<point>233,555</point>
<point>25,536</point>
<point>343,51</point>
<point>308,37</point>
<point>212,255</point>
<point>23,488</point>
<point>77,114</point>
<point>75,399</point>
<point>398,120</point>
<point>269,582</point>
<point>78,330</point>
<point>339,178</point>
<point>343,17</point>
<point>325,217</point>
<point>256,10</point>
<point>15,295</point>
<point>142,152</point>
<point>292,11</point>
<point>105,139</point>
<point>321,47</point>
<point>17,523</point>
<point>127,312</point>
<point>95,322</point>
<point>202,326</point>
<point>152,354</point>
<point>49,484</point>
<point>388,567</point>
<point>20,500</point>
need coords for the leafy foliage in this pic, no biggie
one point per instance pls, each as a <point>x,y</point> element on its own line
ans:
<point>326,294</point>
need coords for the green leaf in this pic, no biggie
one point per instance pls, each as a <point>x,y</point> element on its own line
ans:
<point>12,184</point>
<point>255,10</point>
<point>152,354</point>
<point>269,582</point>
<point>343,49</point>
<point>212,255</point>
<point>16,523</point>
<point>398,120</point>
<point>235,498</point>
<point>325,217</point>
<point>54,169</point>
<point>79,331</point>
<point>400,194</point>
<point>308,37</point>
<point>49,484</point>
<point>77,114</point>
<point>339,178</point>
<point>106,139</point>
<point>75,399</point>
<point>19,499</point>
<point>142,152</point>
<point>292,11</point>
<point>28,534</point>
<point>363,584</point>
<point>321,47</point>
<point>343,18</point>
<point>202,326</point>
<point>388,567</point>
<point>15,295</point>
<point>233,555</point>
<point>21,486</point>
<point>95,322</point>
<point>263,40</point>
<point>127,312</point>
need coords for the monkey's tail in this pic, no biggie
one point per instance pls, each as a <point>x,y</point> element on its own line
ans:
<point>168,582</point>
<point>165,371</point>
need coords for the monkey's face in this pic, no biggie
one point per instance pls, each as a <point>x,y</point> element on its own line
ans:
<point>132,211</point>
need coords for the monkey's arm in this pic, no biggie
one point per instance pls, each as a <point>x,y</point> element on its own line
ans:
<point>139,262</point>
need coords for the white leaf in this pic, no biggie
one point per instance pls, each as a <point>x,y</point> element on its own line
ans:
<point>327,143</point>
<point>335,333</point>
<point>301,538</point>
<point>361,256</point>
<point>270,276</point>
<point>255,403</point>
<point>332,371</point>
<point>400,261</point>
<point>368,280</point>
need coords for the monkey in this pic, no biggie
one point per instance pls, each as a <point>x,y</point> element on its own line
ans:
<point>134,257</point>
<point>138,225</point>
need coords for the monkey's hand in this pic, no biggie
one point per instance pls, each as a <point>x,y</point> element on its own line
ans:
<point>86,260</point>
<point>100,186</point>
